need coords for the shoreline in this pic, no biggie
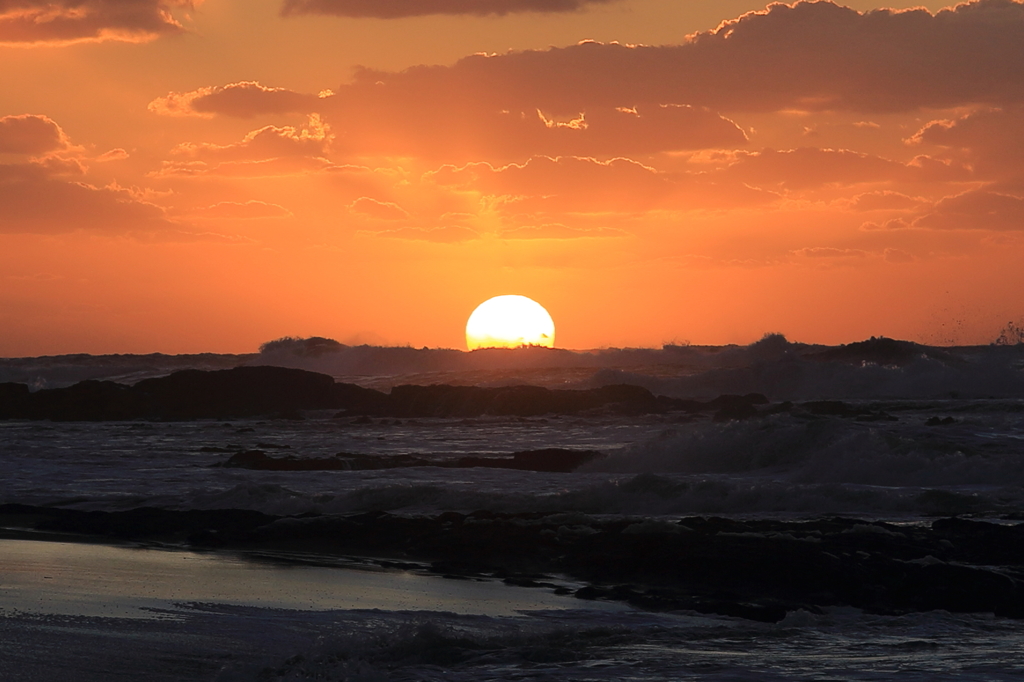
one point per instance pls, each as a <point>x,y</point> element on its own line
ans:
<point>52,576</point>
<point>758,569</point>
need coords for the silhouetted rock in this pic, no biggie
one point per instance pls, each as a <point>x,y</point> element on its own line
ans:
<point>13,400</point>
<point>85,401</point>
<point>238,392</point>
<point>441,400</point>
<point>274,392</point>
<point>884,351</point>
<point>283,393</point>
<point>353,399</point>
<point>936,421</point>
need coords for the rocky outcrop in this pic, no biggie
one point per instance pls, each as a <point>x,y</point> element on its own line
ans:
<point>520,401</point>
<point>279,391</point>
<point>189,394</point>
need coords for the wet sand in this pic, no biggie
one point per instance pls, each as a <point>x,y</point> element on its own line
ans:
<point>136,582</point>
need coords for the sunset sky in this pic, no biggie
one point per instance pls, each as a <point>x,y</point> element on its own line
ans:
<point>184,176</point>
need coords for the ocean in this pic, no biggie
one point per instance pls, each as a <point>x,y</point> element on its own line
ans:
<point>881,442</point>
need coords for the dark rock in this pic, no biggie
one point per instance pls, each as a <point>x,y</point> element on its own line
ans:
<point>440,400</point>
<point>238,392</point>
<point>85,401</point>
<point>13,400</point>
<point>884,351</point>
<point>935,421</point>
<point>277,392</point>
<point>283,393</point>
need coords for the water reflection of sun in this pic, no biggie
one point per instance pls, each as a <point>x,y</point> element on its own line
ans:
<point>510,322</point>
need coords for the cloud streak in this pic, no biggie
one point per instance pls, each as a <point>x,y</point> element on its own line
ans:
<point>244,99</point>
<point>397,9</point>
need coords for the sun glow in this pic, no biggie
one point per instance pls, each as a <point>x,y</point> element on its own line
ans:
<point>510,322</point>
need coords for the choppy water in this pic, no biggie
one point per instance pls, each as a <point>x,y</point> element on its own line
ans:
<point>780,464</point>
<point>786,464</point>
<point>242,643</point>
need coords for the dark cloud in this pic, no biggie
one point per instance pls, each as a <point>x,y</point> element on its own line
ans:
<point>440,128</point>
<point>607,100</point>
<point>71,21</point>
<point>243,100</point>
<point>991,140</point>
<point>811,56</point>
<point>33,199</point>
<point>809,167</point>
<point>976,210</point>
<point>30,134</point>
<point>394,9</point>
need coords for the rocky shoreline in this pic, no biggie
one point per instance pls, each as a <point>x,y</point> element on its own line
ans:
<point>754,569</point>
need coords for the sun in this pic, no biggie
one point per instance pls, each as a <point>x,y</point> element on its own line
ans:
<point>510,322</point>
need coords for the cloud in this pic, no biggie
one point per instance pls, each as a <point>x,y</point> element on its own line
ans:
<point>443,235</point>
<point>976,210</point>
<point>269,142</point>
<point>434,127</point>
<point>63,22</point>
<point>242,100</point>
<point>583,184</point>
<point>267,151</point>
<point>247,210</point>
<point>610,99</point>
<point>830,252</point>
<point>563,183</point>
<point>382,210</point>
<point>34,199</point>
<point>809,56</point>
<point>810,167</point>
<point>898,256</point>
<point>884,200</point>
<point>259,168</point>
<point>30,134</point>
<point>394,9</point>
<point>112,155</point>
<point>991,140</point>
<point>558,231</point>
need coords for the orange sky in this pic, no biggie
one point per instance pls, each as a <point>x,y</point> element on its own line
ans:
<point>205,176</point>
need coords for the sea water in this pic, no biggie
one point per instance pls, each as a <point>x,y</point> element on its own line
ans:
<point>659,466</point>
<point>788,464</point>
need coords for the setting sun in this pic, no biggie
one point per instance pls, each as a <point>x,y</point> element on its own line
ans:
<point>510,322</point>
